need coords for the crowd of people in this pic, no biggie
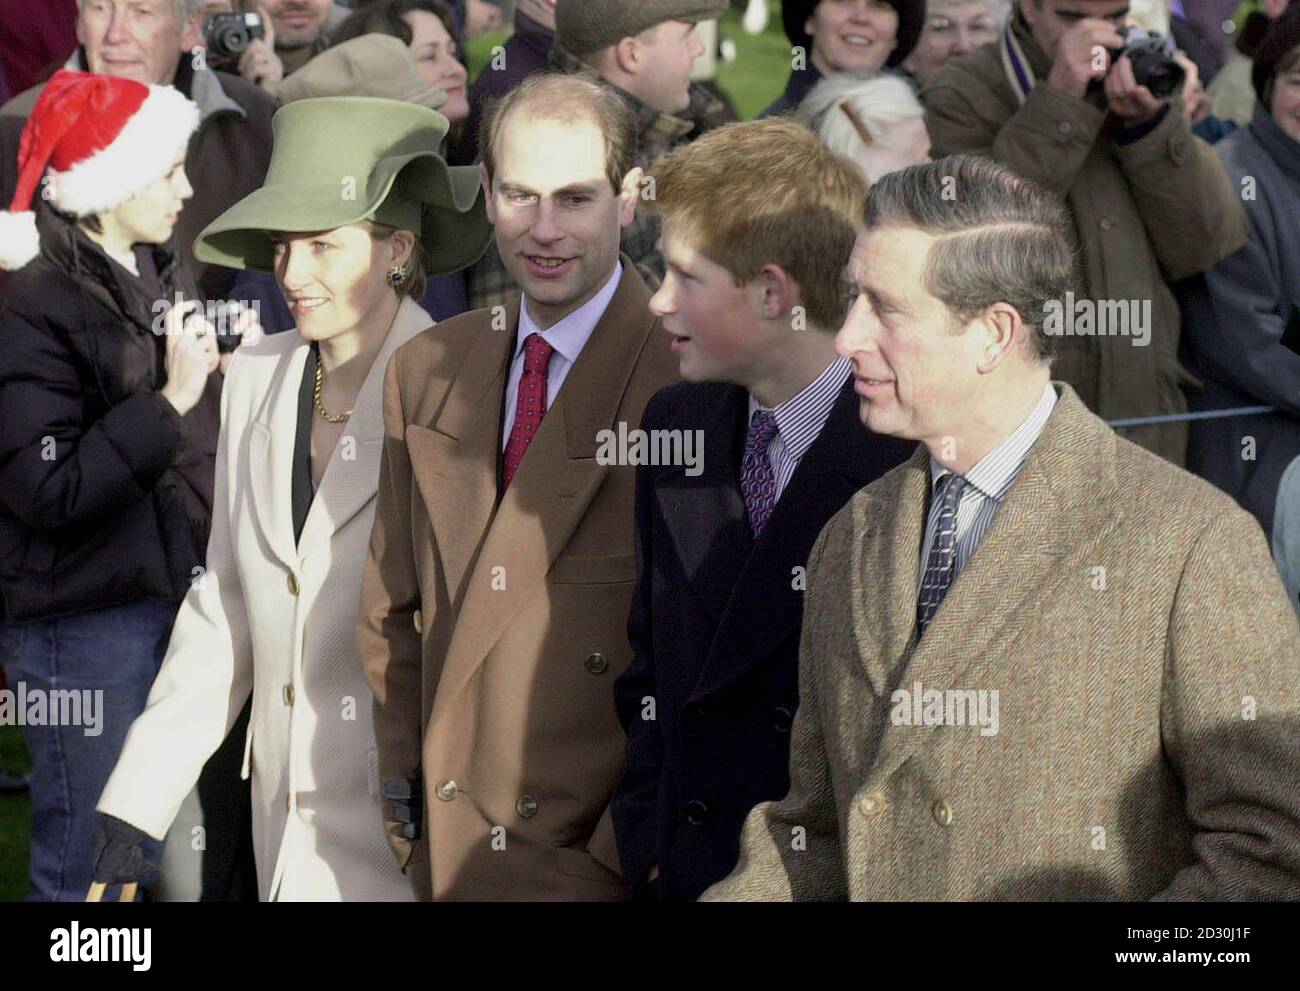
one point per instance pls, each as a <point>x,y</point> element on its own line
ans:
<point>552,487</point>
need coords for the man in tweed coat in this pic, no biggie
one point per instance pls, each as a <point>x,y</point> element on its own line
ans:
<point>1038,662</point>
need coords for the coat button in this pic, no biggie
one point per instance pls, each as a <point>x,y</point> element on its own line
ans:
<point>697,813</point>
<point>782,719</point>
<point>1106,223</point>
<point>526,806</point>
<point>597,663</point>
<point>446,790</point>
<point>942,813</point>
<point>289,694</point>
<point>871,804</point>
<point>1064,128</point>
<point>417,621</point>
<point>292,581</point>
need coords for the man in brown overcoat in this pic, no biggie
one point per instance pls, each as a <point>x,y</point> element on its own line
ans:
<point>501,569</point>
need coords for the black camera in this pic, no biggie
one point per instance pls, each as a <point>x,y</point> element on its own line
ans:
<point>223,316</point>
<point>1152,58</point>
<point>227,36</point>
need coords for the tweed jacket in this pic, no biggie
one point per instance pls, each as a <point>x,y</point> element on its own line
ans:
<point>1147,735</point>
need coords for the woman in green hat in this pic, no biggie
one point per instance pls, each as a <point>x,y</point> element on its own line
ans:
<point>357,209</point>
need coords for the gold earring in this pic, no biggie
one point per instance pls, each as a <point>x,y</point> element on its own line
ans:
<point>396,276</point>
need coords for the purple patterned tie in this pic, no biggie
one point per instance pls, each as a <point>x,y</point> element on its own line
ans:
<point>757,483</point>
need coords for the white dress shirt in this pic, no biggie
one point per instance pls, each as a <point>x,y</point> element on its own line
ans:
<point>988,482</point>
<point>800,419</point>
<point>567,337</point>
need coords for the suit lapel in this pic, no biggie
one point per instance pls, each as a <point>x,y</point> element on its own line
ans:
<point>270,449</point>
<point>351,477</point>
<point>1063,500</point>
<point>456,460</point>
<point>553,487</point>
<point>766,602</point>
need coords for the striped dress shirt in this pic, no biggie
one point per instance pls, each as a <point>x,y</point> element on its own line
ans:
<point>800,419</point>
<point>989,481</point>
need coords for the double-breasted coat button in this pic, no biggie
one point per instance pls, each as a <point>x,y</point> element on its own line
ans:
<point>292,581</point>
<point>782,719</point>
<point>526,806</point>
<point>417,621</point>
<point>1064,128</point>
<point>942,813</point>
<point>289,694</point>
<point>697,813</point>
<point>597,663</point>
<point>871,804</point>
<point>1106,223</point>
<point>446,790</point>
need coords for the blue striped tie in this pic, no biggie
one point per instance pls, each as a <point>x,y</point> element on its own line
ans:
<point>943,551</point>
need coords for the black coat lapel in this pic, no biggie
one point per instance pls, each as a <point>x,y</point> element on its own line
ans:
<point>704,515</point>
<point>766,603</point>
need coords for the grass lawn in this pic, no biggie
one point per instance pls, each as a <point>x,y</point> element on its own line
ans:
<point>15,820</point>
<point>753,80</point>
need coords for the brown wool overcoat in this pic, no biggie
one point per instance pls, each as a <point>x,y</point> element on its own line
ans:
<point>492,632</point>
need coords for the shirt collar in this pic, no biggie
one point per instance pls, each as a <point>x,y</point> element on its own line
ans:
<point>800,418</point>
<point>570,335</point>
<point>993,474</point>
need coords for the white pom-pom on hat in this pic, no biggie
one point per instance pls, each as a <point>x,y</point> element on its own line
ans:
<point>19,240</point>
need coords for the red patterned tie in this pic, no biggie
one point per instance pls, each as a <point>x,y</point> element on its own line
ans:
<point>531,405</point>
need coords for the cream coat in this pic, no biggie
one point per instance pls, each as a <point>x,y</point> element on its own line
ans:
<point>279,620</point>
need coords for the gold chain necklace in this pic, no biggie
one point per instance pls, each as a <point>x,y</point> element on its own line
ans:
<point>320,407</point>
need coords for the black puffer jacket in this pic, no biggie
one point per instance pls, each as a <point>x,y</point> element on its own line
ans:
<point>105,491</point>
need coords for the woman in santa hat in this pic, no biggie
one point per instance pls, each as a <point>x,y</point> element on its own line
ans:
<point>108,423</point>
<point>357,210</point>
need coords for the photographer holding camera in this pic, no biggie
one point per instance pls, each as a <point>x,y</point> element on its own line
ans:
<point>109,417</point>
<point>1064,99</point>
<point>242,41</point>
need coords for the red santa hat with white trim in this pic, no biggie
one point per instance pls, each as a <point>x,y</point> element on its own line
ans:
<point>91,143</point>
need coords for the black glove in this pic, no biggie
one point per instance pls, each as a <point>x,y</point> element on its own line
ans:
<point>118,855</point>
<point>405,805</point>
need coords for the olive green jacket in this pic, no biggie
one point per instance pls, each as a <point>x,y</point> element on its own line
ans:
<point>1148,212</point>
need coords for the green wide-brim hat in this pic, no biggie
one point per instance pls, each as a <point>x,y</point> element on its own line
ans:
<point>340,160</point>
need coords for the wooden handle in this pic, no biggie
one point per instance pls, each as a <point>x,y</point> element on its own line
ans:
<point>97,889</point>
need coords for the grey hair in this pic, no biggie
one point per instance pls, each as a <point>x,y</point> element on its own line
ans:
<point>1000,238</point>
<point>185,9</point>
<point>878,101</point>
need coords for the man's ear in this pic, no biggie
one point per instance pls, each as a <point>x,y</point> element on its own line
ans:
<point>628,194</point>
<point>626,54</point>
<point>486,182</point>
<point>780,292</point>
<point>1003,330</point>
<point>192,33</point>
